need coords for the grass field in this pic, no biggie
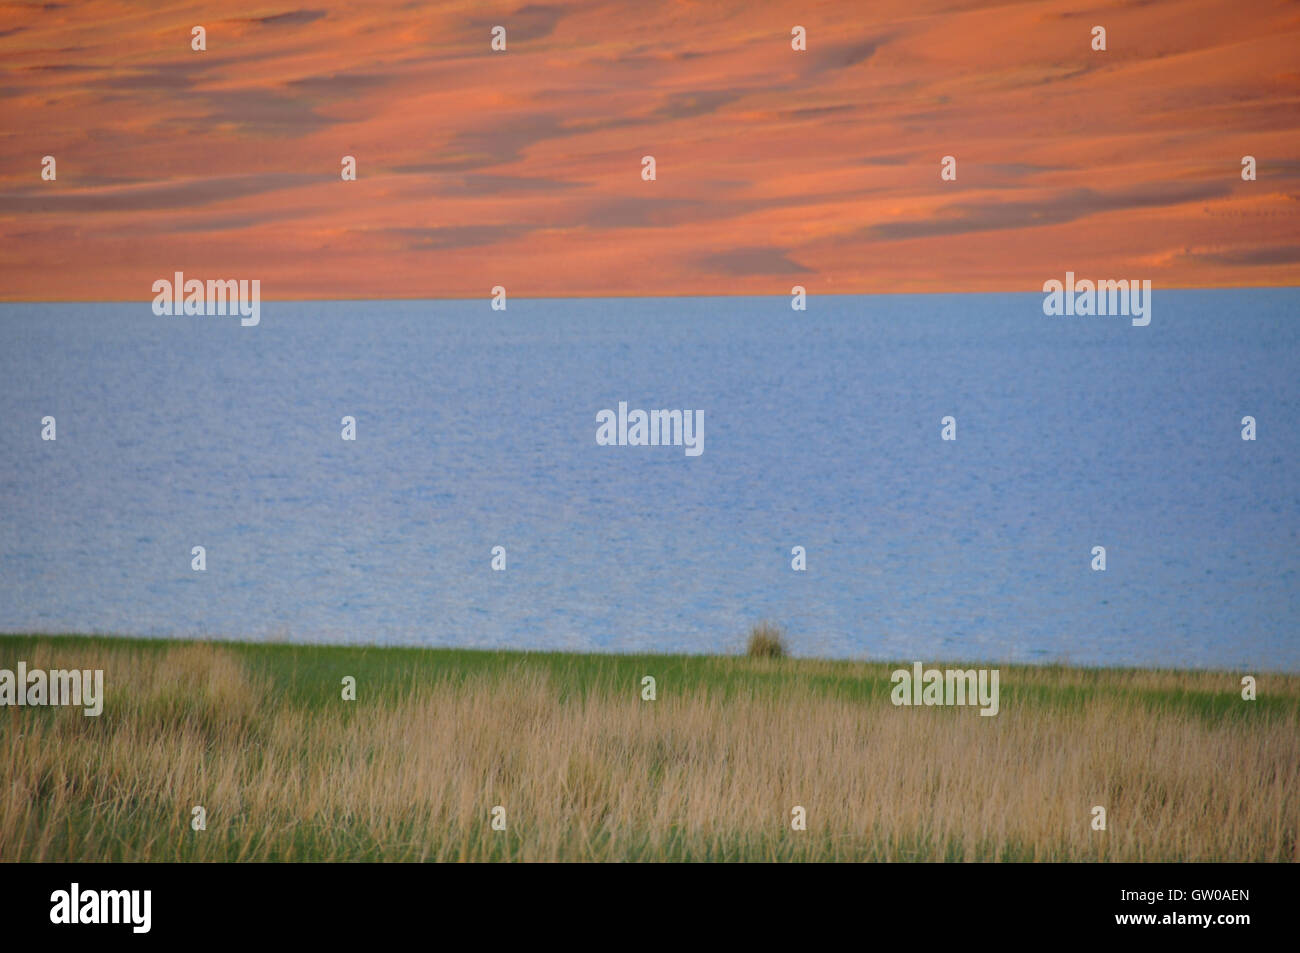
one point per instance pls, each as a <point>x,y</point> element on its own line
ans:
<point>259,735</point>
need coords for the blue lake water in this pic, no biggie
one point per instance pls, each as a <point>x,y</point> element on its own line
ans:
<point>477,428</point>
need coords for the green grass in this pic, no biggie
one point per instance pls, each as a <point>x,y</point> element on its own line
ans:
<point>259,734</point>
<point>308,675</point>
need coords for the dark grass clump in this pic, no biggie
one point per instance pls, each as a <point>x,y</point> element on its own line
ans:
<point>766,641</point>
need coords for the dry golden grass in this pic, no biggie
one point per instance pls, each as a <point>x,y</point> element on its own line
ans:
<point>709,771</point>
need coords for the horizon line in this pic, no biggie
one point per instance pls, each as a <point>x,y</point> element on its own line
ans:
<point>641,297</point>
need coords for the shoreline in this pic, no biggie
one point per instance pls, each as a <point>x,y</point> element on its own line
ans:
<point>149,641</point>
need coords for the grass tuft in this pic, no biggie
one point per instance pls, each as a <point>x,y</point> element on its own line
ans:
<point>766,640</point>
